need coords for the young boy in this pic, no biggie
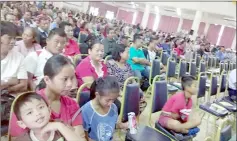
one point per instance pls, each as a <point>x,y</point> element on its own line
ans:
<point>176,111</point>
<point>33,113</point>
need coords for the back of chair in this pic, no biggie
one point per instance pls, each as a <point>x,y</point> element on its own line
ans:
<point>224,131</point>
<point>209,62</point>
<point>159,96</point>
<point>155,69</point>
<point>77,58</point>
<point>171,67</point>
<point>214,60</point>
<point>198,60</point>
<point>164,58</point>
<point>226,66</point>
<point>202,66</point>
<point>234,65</point>
<point>213,87</point>
<point>201,85</point>
<point>130,99</point>
<point>109,57</point>
<point>193,68</point>
<point>174,55</point>
<point>84,98</point>
<point>222,67</point>
<point>223,82</point>
<point>182,68</point>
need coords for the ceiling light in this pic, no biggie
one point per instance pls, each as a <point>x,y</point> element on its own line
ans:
<point>157,9</point>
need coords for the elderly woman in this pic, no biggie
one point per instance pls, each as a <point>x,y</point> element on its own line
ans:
<point>28,43</point>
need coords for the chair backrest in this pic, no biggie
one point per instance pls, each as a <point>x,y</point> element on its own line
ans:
<point>222,67</point>
<point>224,131</point>
<point>83,96</point>
<point>155,70</point>
<point>231,66</point>
<point>130,99</point>
<point>202,66</point>
<point>193,68</point>
<point>77,58</point>
<point>198,60</point>
<point>226,66</point>
<point>214,60</point>
<point>107,58</point>
<point>213,88</point>
<point>164,58</point>
<point>174,55</point>
<point>159,96</point>
<point>201,85</point>
<point>182,67</point>
<point>223,82</point>
<point>209,62</point>
<point>171,66</point>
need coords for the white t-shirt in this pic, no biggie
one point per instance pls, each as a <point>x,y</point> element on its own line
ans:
<point>152,55</point>
<point>13,66</point>
<point>35,63</point>
<point>232,79</point>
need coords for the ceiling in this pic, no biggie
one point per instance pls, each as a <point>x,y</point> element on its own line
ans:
<point>223,15</point>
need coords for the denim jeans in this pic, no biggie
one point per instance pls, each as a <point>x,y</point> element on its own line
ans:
<point>144,73</point>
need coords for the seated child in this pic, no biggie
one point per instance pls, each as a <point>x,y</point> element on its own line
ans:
<point>100,114</point>
<point>33,113</point>
<point>176,111</point>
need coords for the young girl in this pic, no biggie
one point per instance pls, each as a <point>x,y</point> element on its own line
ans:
<point>59,77</point>
<point>100,114</point>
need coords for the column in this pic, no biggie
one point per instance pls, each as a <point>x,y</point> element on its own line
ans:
<point>180,24</point>
<point>233,46</point>
<point>157,19</point>
<point>134,17</point>
<point>207,25</point>
<point>145,16</point>
<point>196,22</point>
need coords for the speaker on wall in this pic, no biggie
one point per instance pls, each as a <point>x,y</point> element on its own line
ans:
<point>191,32</point>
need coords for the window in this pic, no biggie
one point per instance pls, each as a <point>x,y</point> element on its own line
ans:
<point>109,15</point>
<point>94,11</point>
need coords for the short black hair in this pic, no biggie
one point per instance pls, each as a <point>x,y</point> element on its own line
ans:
<point>8,28</point>
<point>63,24</point>
<point>136,37</point>
<point>108,30</point>
<point>187,81</point>
<point>22,99</point>
<point>116,52</point>
<point>57,31</point>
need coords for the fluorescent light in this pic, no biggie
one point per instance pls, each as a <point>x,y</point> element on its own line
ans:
<point>178,11</point>
<point>132,3</point>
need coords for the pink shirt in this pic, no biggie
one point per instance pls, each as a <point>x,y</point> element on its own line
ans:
<point>67,110</point>
<point>20,47</point>
<point>178,105</point>
<point>86,68</point>
<point>71,48</point>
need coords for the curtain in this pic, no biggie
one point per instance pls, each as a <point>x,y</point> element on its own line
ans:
<point>139,18</point>
<point>125,16</point>
<point>213,33</point>
<point>168,24</point>
<point>201,28</point>
<point>187,25</point>
<point>227,37</point>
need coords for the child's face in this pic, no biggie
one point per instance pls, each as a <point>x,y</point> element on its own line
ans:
<point>35,114</point>
<point>192,89</point>
<point>107,100</point>
<point>63,82</point>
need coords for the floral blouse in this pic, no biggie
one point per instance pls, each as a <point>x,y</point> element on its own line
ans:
<point>120,73</point>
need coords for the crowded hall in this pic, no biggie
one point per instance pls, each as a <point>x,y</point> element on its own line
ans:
<point>118,71</point>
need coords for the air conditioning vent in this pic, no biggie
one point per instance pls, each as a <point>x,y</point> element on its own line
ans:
<point>170,10</point>
<point>230,20</point>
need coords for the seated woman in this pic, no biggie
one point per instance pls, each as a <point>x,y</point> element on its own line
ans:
<point>92,66</point>
<point>28,43</point>
<point>59,77</point>
<point>13,73</point>
<point>71,47</point>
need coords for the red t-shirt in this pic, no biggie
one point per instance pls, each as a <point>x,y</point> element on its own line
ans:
<point>71,48</point>
<point>85,68</point>
<point>178,105</point>
<point>68,108</point>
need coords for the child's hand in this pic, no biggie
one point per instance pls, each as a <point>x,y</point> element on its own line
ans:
<point>122,125</point>
<point>51,126</point>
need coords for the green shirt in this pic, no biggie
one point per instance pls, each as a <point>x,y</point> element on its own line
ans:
<point>138,53</point>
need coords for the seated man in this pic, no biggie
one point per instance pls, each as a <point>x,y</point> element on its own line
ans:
<point>13,73</point>
<point>42,31</point>
<point>137,60</point>
<point>35,61</point>
<point>176,111</point>
<point>232,85</point>
<point>151,53</point>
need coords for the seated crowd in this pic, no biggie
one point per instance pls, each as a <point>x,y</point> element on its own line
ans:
<point>38,51</point>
